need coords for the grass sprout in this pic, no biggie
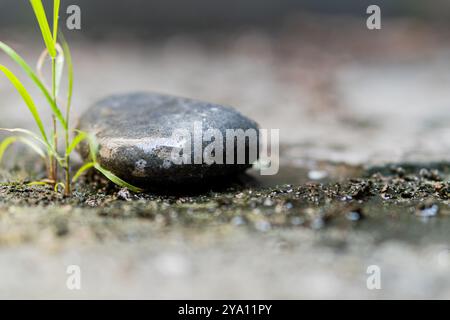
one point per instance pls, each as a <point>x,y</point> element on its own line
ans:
<point>46,143</point>
<point>93,151</point>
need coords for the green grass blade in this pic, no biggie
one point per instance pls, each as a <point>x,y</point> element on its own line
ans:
<point>27,98</point>
<point>121,183</point>
<point>37,183</point>
<point>59,184</point>
<point>5,144</point>
<point>39,12</point>
<point>93,149</point>
<point>93,145</point>
<point>80,171</point>
<point>56,6</point>
<point>29,71</point>
<point>69,62</point>
<point>80,137</point>
<point>50,149</point>
<point>10,140</point>
<point>27,132</point>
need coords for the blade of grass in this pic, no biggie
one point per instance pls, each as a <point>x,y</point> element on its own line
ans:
<point>50,149</point>
<point>10,140</point>
<point>93,144</point>
<point>79,138</point>
<point>27,132</point>
<point>56,6</point>
<point>118,181</point>
<point>80,171</point>
<point>29,71</point>
<point>41,17</point>
<point>38,183</point>
<point>93,149</point>
<point>68,58</point>
<point>5,144</point>
<point>57,185</point>
<point>27,98</point>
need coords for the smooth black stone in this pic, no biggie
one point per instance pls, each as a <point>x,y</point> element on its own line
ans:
<point>134,133</point>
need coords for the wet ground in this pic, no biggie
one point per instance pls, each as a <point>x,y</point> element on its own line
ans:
<point>364,173</point>
<point>246,240</point>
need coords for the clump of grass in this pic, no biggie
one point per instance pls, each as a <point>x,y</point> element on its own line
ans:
<point>45,144</point>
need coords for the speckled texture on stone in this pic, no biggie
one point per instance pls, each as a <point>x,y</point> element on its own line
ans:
<point>134,132</point>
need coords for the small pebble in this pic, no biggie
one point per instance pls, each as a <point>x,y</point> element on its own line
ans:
<point>354,215</point>
<point>427,210</point>
<point>317,174</point>
<point>124,194</point>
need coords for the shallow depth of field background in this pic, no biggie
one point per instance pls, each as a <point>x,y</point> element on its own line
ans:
<point>336,90</point>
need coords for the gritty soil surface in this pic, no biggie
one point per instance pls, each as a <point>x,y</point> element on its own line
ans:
<point>347,101</point>
<point>188,238</point>
<point>392,192</point>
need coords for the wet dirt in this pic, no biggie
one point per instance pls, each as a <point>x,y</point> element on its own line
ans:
<point>299,240</point>
<point>389,202</point>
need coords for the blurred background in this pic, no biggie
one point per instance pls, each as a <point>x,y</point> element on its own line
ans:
<point>177,15</point>
<point>337,90</point>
